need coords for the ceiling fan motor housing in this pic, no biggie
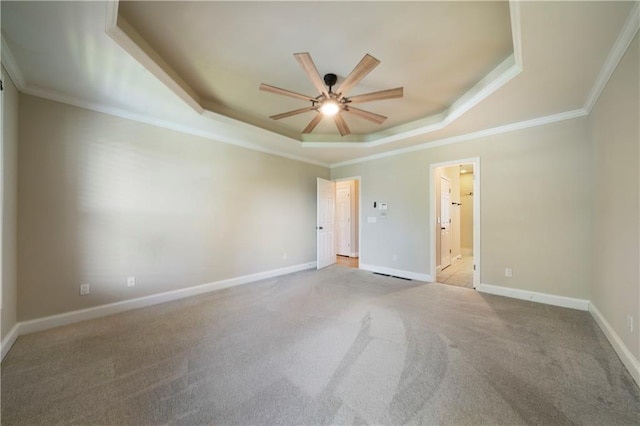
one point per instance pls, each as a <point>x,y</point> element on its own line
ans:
<point>330,79</point>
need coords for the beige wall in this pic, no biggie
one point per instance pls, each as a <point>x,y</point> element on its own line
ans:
<point>102,198</point>
<point>466,212</point>
<point>9,203</point>
<point>535,207</point>
<point>615,290</point>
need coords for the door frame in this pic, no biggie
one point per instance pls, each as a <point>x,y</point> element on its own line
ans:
<point>359,179</point>
<point>476,214</point>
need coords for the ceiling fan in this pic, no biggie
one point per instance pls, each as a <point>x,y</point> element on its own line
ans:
<point>330,103</point>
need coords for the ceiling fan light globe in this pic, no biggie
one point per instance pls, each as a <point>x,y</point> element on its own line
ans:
<point>329,107</point>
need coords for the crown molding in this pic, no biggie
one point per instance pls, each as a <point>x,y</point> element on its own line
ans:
<point>166,124</point>
<point>11,65</point>
<point>128,38</point>
<point>540,121</point>
<point>628,32</point>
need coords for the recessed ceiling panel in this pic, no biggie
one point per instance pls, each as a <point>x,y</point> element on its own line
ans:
<point>437,51</point>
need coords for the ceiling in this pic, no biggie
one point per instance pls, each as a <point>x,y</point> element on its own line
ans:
<point>466,67</point>
<point>224,50</point>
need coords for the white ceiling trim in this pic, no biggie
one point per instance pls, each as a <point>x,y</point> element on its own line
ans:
<point>516,33</point>
<point>126,36</point>
<point>629,30</point>
<point>166,124</point>
<point>470,136</point>
<point>504,72</point>
<point>10,64</point>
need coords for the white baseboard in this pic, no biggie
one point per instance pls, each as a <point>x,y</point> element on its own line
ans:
<point>52,321</point>
<point>9,340</point>
<point>534,296</point>
<point>627,358</point>
<point>396,272</point>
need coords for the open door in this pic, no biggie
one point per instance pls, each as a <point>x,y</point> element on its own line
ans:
<point>445,222</point>
<point>325,227</point>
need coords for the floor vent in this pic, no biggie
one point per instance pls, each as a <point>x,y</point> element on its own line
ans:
<point>393,276</point>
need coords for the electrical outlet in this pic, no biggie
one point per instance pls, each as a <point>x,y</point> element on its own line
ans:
<point>630,323</point>
<point>131,281</point>
<point>508,272</point>
<point>395,257</point>
<point>84,289</point>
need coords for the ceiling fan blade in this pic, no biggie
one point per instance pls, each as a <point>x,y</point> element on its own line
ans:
<point>294,112</point>
<point>279,91</point>
<point>313,123</point>
<point>398,92</point>
<point>364,67</point>
<point>341,125</point>
<point>376,118</point>
<point>312,72</point>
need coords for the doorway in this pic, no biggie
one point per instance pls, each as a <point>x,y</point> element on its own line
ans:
<point>455,225</point>
<point>338,225</point>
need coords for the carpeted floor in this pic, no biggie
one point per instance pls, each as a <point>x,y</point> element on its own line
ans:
<point>336,346</point>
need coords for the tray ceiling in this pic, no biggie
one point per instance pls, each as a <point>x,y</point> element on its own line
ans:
<point>222,51</point>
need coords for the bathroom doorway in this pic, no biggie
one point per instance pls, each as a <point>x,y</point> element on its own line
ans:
<point>455,223</point>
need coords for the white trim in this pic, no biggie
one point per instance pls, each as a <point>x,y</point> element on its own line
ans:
<point>627,358</point>
<point>355,254</point>
<point>497,78</point>
<point>516,31</point>
<point>133,43</point>
<point>9,340</point>
<point>534,296</point>
<point>45,323</point>
<point>11,65</point>
<point>165,124</point>
<point>620,47</point>
<point>540,121</point>
<point>476,215</point>
<point>396,272</point>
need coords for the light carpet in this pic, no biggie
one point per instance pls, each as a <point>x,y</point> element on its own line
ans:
<point>336,346</point>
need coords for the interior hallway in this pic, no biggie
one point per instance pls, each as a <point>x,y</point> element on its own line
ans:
<point>351,262</point>
<point>460,273</point>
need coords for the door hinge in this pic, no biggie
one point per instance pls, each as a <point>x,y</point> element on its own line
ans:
<point>449,251</point>
<point>1,85</point>
<point>474,267</point>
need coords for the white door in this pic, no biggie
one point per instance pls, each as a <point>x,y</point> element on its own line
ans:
<point>343,218</point>
<point>326,248</point>
<point>445,222</point>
